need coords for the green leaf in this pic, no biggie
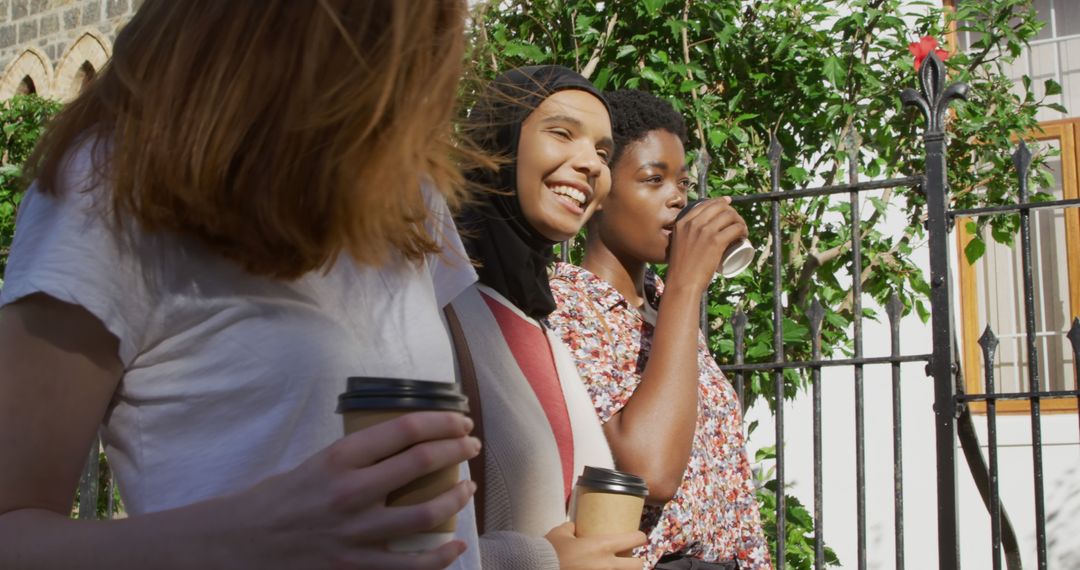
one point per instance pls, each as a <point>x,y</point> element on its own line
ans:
<point>654,77</point>
<point>1004,230</point>
<point>1052,87</point>
<point>924,313</point>
<point>688,85</point>
<point>528,52</point>
<point>602,78</point>
<point>739,134</point>
<point>652,7</point>
<point>920,286</point>
<point>974,249</point>
<point>717,137</point>
<point>834,71</point>
<point>794,332</point>
<point>797,174</point>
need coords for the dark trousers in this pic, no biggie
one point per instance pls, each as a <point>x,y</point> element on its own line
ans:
<point>678,562</point>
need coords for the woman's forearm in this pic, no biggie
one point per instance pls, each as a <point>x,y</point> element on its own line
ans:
<point>182,538</point>
<point>653,434</point>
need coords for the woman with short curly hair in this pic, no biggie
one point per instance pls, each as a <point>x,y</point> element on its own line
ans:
<point>668,412</point>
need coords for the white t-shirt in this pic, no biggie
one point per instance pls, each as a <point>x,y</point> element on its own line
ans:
<point>229,378</point>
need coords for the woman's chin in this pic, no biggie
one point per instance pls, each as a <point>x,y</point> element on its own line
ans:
<point>559,238</point>
<point>564,229</point>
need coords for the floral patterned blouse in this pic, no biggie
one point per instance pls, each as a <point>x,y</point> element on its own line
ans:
<point>713,515</point>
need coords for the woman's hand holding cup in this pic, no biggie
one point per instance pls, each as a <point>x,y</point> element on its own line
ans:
<point>595,552</point>
<point>605,513</point>
<point>331,510</point>
<point>709,238</point>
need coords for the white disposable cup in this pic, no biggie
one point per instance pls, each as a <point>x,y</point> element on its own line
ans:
<point>737,258</point>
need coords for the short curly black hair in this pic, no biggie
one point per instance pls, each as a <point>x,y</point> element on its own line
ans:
<point>636,113</point>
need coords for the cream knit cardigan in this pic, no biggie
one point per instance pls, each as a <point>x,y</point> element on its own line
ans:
<point>523,494</point>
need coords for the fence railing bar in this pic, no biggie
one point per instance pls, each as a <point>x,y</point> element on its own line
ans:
<point>776,195</point>
<point>816,315</point>
<point>1038,395</point>
<point>88,483</point>
<point>1022,160</point>
<point>738,326</point>
<point>701,165</point>
<point>852,144</point>
<point>1074,339</point>
<point>989,344</point>
<point>775,151</point>
<point>1014,208</point>
<point>760,366</point>
<point>894,308</point>
<point>111,489</point>
<point>932,99</point>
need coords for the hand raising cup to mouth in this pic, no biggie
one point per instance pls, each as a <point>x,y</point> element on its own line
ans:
<point>737,256</point>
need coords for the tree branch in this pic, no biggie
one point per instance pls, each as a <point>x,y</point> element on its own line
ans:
<point>484,37</point>
<point>594,59</point>
<point>690,74</point>
<point>573,35</point>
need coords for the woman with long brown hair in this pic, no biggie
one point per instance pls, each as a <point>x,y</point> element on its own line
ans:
<point>248,205</point>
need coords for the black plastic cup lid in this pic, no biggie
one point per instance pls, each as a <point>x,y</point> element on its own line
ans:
<point>612,481</point>
<point>379,393</point>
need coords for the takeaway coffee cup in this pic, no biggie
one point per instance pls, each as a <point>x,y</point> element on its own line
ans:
<point>606,501</point>
<point>368,401</point>
<point>738,255</point>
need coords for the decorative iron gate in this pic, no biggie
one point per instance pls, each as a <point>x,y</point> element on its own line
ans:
<point>950,400</point>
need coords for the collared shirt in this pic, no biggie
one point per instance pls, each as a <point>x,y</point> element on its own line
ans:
<point>713,515</point>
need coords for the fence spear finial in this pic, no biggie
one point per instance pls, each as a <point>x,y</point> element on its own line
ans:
<point>933,98</point>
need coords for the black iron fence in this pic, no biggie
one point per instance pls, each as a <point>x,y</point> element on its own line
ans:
<point>950,401</point>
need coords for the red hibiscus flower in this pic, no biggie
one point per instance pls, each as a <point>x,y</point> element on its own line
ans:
<point>923,48</point>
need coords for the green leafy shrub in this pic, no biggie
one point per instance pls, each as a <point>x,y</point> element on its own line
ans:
<point>22,119</point>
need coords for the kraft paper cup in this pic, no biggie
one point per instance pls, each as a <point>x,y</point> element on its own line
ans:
<point>369,401</point>
<point>606,502</point>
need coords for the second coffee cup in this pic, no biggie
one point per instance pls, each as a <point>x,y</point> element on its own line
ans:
<point>606,501</point>
<point>370,400</point>
<point>738,256</point>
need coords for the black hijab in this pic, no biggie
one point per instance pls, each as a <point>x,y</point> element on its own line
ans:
<point>513,256</point>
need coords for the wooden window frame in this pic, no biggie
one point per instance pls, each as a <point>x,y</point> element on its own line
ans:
<point>1067,133</point>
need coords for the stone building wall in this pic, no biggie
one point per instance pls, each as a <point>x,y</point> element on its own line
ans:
<point>51,46</point>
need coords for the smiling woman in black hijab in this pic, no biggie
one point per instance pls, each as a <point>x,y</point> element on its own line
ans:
<point>551,130</point>
<point>512,253</point>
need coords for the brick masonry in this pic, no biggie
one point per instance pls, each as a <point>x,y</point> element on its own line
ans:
<point>48,29</point>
